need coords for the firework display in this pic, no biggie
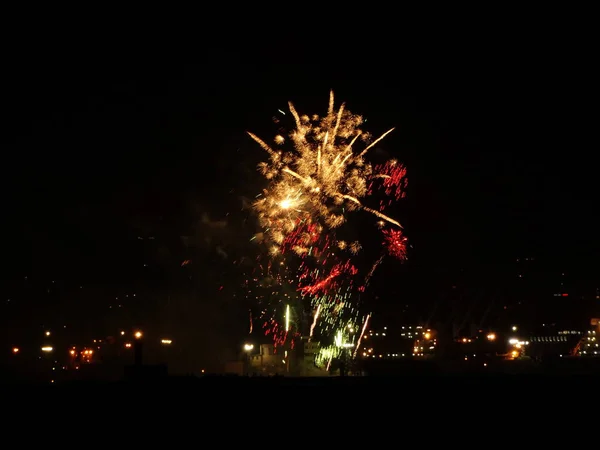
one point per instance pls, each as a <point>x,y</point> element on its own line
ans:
<point>318,176</point>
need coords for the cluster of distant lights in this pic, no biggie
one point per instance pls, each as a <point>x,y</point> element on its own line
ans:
<point>426,338</point>
<point>49,349</point>
<point>516,345</point>
<point>369,354</point>
<point>420,335</point>
<point>425,343</point>
<point>590,343</point>
<point>86,354</point>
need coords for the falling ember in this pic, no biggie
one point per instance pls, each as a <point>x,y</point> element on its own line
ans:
<point>314,322</point>
<point>362,333</point>
<point>371,272</point>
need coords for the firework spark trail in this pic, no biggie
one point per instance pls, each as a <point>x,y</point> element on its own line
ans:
<point>375,142</point>
<point>394,243</point>
<point>372,271</point>
<point>329,363</point>
<point>313,186</point>
<point>325,283</point>
<point>314,322</point>
<point>372,211</point>
<point>362,333</point>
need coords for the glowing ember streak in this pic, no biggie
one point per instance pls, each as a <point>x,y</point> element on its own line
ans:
<point>325,283</point>
<point>329,363</point>
<point>362,333</point>
<point>314,322</point>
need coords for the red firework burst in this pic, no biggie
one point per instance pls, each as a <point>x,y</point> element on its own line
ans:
<point>395,243</point>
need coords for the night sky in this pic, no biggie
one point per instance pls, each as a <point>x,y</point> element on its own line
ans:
<point>100,150</point>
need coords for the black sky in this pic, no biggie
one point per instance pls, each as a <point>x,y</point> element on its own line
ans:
<point>496,132</point>
<point>496,143</point>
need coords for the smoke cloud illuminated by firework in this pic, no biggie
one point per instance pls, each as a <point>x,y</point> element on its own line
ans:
<point>318,175</point>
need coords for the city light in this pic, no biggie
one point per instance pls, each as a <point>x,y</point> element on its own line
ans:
<point>521,347</point>
<point>47,333</point>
